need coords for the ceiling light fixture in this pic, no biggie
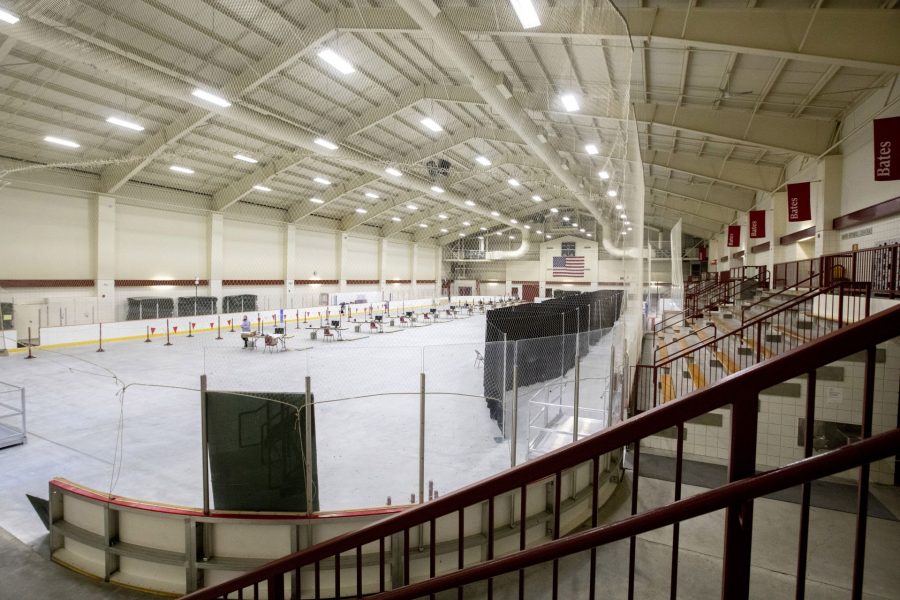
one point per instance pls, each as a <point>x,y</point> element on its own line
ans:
<point>630,228</point>
<point>423,225</point>
<point>589,235</point>
<point>123,123</point>
<point>528,16</point>
<point>604,175</point>
<point>494,213</point>
<point>591,149</point>
<point>483,228</point>
<point>549,236</point>
<point>372,195</point>
<point>623,216</point>
<point>469,203</point>
<point>581,230</point>
<point>437,189</point>
<point>431,124</point>
<point>466,223</point>
<point>262,188</point>
<point>211,98</point>
<point>443,216</point>
<point>462,235</point>
<point>565,218</point>
<point>321,181</point>
<point>539,232</point>
<point>8,17</point>
<point>412,207</point>
<point>570,102</point>
<point>554,210</point>
<point>393,172</point>
<point>361,211</point>
<point>514,182</point>
<point>62,142</point>
<point>513,221</point>
<point>245,158</point>
<point>537,198</point>
<point>317,201</point>
<point>336,60</point>
<point>184,170</point>
<point>528,227</point>
<point>619,207</point>
<point>483,160</point>
<point>325,143</point>
<point>612,193</point>
<point>395,219</point>
<point>512,237</point>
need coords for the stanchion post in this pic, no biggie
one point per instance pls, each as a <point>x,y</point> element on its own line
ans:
<point>148,335</point>
<point>204,444</point>
<point>30,355</point>
<point>298,320</point>
<point>190,329</point>
<point>100,349</point>
<point>219,324</point>
<point>168,340</point>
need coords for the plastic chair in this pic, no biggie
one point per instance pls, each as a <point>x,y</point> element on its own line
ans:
<point>403,321</point>
<point>373,326</point>
<point>328,334</point>
<point>479,360</point>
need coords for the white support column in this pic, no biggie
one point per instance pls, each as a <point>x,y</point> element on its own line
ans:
<point>290,258</point>
<point>828,204</point>
<point>779,224</point>
<point>593,258</point>
<point>382,267</point>
<point>216,253</point>
<point>438,270</point>
<point>341,258</point>
<point>413,259</point>
<point>106,258</point>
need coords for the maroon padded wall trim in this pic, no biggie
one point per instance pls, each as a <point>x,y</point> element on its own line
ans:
<point>149,282</point>
<point>888,208</point>
<point>764,247</point>
<point>787,240</point>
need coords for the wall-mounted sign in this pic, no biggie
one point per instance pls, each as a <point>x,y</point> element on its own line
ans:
<point>799,202</point>
<point>757,224</point>
<point>734,236</point>
<point>887,141</point>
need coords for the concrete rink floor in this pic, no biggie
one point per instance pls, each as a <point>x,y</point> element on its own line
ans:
<point>145,442</point>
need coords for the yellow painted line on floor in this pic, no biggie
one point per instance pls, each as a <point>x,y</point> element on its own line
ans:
<point>668,388</point>
<point>696,376</point>
<point>726,361</point>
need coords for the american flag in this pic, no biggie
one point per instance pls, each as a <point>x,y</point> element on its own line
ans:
<point>568,266</point>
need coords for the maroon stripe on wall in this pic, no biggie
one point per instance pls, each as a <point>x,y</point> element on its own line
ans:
<point>251,282</point>
<point>426,281</point>
<point>316,281</point>
<point>361,281</point>
<point>46,283</point>
<point>789,239</point>
<point>760,248</point>
<point>149,282</point>
<point>888,208</point>
<point>738,254</point>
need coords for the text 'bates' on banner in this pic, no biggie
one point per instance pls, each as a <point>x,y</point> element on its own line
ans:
<point>757,224</point>
<point>734,236</point>
<point>887,144</point>
<point>799,201</point>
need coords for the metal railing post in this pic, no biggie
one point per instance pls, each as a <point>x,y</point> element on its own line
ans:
<point>204,444</point>
<point>514,418</point>
<point>307,426</point>
<point>421,437</point>
<point>739,517</point>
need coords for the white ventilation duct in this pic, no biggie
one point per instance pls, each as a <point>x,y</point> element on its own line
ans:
<point>519,252</point>
<point>495,91</point>
<point>72,48</point>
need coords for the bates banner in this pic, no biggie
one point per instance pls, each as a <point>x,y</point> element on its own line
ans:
<point>887,140</point>
<point>799,202</point>
<point>734,236</point>
<point>757,224</point>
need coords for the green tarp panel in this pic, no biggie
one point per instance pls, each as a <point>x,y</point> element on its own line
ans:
<point>256,451</point>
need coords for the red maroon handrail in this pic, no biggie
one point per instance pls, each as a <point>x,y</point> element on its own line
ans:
<point>738,389</point>
<point>808,469</point>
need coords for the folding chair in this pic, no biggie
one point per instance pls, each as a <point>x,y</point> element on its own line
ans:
<point>479,360</point>
<point>270,343</point>
<point>328,334</point>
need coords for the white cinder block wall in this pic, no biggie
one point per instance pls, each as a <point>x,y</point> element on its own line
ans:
<point>851,169</point>
<point>51,235</point>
